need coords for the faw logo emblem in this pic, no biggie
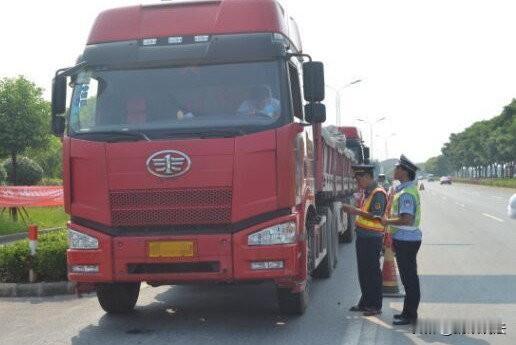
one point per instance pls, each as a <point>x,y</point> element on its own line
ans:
<point>168,163</point>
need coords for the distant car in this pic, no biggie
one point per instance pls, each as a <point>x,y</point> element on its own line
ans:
<point>511,207</point>
<point>430,178</point>
<point>445,180</point>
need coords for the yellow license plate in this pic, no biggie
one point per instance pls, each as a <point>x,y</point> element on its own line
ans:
<point>171,249</point>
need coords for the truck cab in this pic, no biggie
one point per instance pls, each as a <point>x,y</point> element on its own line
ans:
<point>189,153</point>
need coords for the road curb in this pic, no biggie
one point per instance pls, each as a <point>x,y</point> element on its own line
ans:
<point>37,289</point>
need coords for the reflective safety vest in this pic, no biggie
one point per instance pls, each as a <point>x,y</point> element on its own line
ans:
<point>393,209</point>
<point>370,224</point>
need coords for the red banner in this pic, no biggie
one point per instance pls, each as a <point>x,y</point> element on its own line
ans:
<point>31,196</point>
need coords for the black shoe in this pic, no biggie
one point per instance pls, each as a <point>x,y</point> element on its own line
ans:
<point>399,316</point>
<point>371,312</point>
<point>404,321</point>
<point>357,308</point>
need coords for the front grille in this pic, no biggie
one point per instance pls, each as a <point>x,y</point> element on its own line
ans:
<point>186,267</point>
<point>171,207</point>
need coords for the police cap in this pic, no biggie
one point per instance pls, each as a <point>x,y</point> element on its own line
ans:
<point>360,169</point>
<point>405,163</point>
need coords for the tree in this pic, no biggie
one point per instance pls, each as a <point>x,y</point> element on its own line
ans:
<point>24,121</point>
<point>24,118</point>
<point>485,146</point>
<point>438,166</point>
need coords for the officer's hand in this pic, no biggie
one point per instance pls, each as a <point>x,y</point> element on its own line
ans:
<point>348,208</point>
<point>383,220</point>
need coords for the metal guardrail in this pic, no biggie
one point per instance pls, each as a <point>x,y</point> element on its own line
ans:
<point>22,235</point>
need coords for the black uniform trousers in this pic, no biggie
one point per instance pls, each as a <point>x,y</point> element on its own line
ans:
<point>369,272</point>
<point>406,252</point>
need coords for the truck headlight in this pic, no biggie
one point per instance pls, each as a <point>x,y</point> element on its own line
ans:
<point>277,234</point>
<point>78,240</point>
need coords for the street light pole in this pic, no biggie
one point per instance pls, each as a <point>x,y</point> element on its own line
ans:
<point>338,98</point>
<point>371,124</point>
<point>385,143</point>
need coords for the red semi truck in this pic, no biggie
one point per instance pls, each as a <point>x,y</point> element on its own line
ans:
<point>189,154</point>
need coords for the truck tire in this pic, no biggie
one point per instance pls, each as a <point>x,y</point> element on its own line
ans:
<point>325,268</point>
<point>337,220</point>
<point>345,226</point>
<point>295,303</point>
<point>118,298</point>
<point>347,236</point>
<point>292,303</point>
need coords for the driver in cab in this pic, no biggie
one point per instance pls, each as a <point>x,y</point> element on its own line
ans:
<point>260,102</point>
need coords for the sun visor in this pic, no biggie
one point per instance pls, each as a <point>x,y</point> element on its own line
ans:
<point>186,50</point>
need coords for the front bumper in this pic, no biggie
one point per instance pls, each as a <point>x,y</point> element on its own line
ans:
<point>221,257</point>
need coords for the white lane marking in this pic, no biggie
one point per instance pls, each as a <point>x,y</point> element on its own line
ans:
<point>443,197</point>
<point>493,217</point>
<point>461,205</point>
<point>497,197</point>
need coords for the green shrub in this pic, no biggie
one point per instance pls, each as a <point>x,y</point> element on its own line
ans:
<point>3,174</point>
<point>28,172</point>
<point>46,181</point>
<point>48,157</point>
<point>13,262</point>
<point>49,263</point>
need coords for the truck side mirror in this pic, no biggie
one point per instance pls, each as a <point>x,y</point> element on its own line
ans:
<point>366,155</point>
<point>58,104</point>
<point>58,125</point>
<point>315,113</point>
<point>313,81</point>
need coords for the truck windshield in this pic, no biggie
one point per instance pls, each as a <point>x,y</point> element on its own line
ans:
<point>162,101</point>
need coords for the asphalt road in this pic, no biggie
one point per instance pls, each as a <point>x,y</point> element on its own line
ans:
<point>466,263</point>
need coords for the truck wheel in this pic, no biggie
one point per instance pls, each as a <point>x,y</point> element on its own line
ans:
<point>335,235</point>
<point>344,220</point>
<point>295,303</point>
<point>292,303</point>
<point>325,268</point>
<point>118,298</point>
<point>347,236</point>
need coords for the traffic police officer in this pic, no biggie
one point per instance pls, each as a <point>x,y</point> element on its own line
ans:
<point>403,221</point>
<point>382,182</point>
<point>369,231</point>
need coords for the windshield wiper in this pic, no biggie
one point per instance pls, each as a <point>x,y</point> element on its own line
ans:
<point>227,133</point>
<point>122,135</point>
<point>205,133</point>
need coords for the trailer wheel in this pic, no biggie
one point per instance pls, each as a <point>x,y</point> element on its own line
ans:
<point>337,225</point>
<point>118,298</point>
<point>325,268</point>
<point>345,225</point>
<point>347,236</point>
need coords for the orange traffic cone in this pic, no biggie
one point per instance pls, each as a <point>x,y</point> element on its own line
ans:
<point>390,281</point>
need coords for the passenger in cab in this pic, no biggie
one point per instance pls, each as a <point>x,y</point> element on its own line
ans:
<point>260,102</point>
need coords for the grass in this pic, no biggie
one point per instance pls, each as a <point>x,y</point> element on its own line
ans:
<point>495,182</point>
<point>44,217</point>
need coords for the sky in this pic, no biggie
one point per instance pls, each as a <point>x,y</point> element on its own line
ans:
<point>431,68</point>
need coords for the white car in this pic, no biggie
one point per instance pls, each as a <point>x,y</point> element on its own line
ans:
<point>511,207</point>
<point>445,180</point>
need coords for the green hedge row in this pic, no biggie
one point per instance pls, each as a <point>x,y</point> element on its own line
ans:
<point>49,263</point>
<point>495,182</point>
